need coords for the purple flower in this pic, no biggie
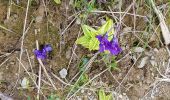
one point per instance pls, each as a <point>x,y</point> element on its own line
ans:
<point>115,48</point>
<point>47,48</point>
<point>42,54</point>
<point>104,43</point>
<point>112,46</point>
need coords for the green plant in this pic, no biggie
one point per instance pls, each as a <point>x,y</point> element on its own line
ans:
<point>28,98</point>
<point>83,76</point>
<point>103,96</point>
<point>89,39</point>
<point>53,97</point>
<point>83,5</point>
<point>57,1</point>
<point>110,62</point>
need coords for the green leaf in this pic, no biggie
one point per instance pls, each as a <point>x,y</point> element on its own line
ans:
<point>84,41</point>
<point>106,27</point>
<point>83,62</point>
<point>113,65</point>
<point>89,31</point>
<point>109,97</point>
<point>57,1</point>
<point>94,44</point>
<point>83,79</point>
<point>102,95</point>
<point>53,97</point>
<point>89,39</point>
<point>28,98</point>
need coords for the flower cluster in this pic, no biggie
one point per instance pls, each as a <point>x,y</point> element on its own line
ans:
<point>112,46</point>
<point>42,54</point>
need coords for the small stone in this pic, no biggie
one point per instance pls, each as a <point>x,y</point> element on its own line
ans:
<point>82,91</point>
<point>39,19</point>
<point>155,50</point>
<point>89,93</point>
<point>63,73</point>
<point>152,57</point>
<point>138,49</point>
<point>124,93</point>
<point>25,83</point>
<point>12,62</point>
<point>5,97</point>
<point>153,62</point>
<point>120,96</point>
<point>143,62</point>
<point>78,21</point>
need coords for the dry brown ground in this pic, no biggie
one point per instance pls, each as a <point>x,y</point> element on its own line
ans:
<point>139,37</point>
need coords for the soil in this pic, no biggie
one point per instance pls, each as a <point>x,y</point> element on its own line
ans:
<point>55,25</point>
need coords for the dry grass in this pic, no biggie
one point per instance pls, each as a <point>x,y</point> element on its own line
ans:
<point>121,83</point>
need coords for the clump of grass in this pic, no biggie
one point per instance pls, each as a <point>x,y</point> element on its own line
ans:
<point>83,76</point>
<point>53,97</point>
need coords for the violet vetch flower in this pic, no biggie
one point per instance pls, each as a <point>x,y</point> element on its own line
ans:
<point>115,48</point>
<point>42,54</point>
<point>104,43</point>
<point>112,46</point>
<point>47,48</point>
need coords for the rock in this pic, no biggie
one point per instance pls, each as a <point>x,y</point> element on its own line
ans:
<point>139,49</point>
<point>153,63</point>
<point>63,73</point>
<point>5,97</point>
<point>78,21</point>
<point>25,83</point>
<point>82,91</point>
<point>39,19</point>
<point>143,62</point>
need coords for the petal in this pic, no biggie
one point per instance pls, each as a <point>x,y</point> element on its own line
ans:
<point>48,48</point>
<point>107,45</point>
<point>101,47</point>
<point>114,41</point>
<point>115,47</point>
<point>115,51</point>
<point>99,37</point>
<point>40,54</point>
<point>106,36</point>
<point>36,51</point>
